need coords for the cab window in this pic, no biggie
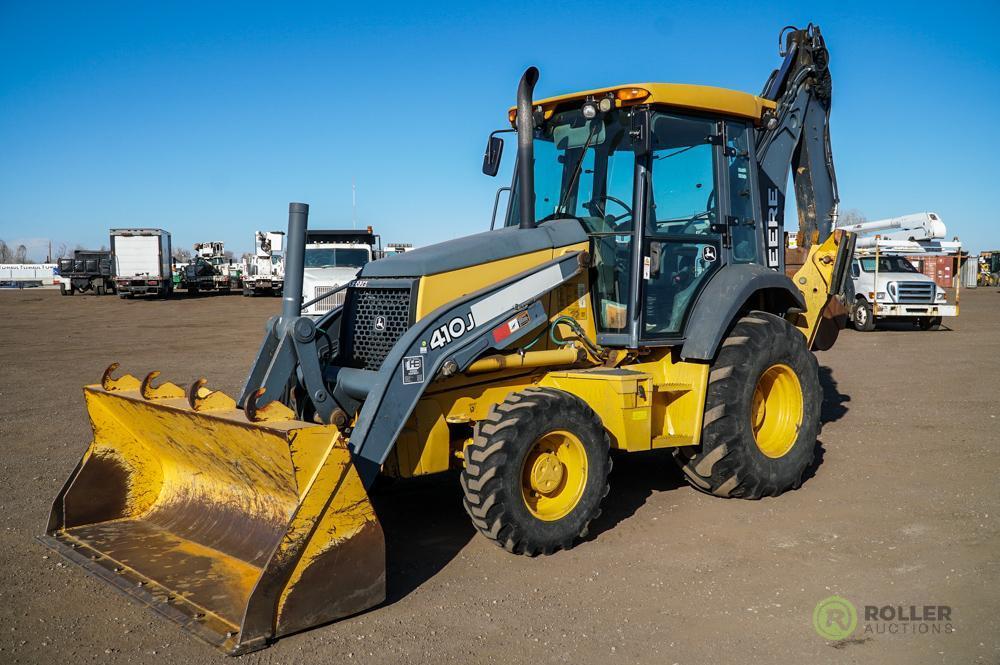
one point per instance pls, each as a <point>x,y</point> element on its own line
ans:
<point>683,192</point>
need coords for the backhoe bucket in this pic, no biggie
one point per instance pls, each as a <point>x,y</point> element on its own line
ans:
<point>240,528</point>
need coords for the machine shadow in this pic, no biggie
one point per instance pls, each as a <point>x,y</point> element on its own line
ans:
<point>633,479</point>
<point>425,527</point>
<point>834,408</point>
<point>834,402</point>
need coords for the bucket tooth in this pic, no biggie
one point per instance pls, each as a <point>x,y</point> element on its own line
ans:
<point>202,399</point>
<point>125,382</point>
<point>165,390</point>
<point>270,411</point>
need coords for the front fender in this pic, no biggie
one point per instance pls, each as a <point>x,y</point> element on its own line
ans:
<point>723,298</point>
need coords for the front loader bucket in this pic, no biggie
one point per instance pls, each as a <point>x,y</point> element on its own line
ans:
<point>241,529</point>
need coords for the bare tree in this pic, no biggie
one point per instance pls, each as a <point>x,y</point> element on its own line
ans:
<point>182,255</point>
<point>852,216</point>
<point>62,251</point>
<point>21,254</point>
<point>6,256</point>
<point>229,255</point>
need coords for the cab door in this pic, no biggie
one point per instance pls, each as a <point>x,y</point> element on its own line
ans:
<point>683,226</point>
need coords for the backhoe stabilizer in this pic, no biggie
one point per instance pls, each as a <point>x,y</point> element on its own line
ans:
<point>240,531</point>
<point>821,281</point>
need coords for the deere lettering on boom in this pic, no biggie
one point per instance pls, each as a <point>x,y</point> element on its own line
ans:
<point>635,298</point>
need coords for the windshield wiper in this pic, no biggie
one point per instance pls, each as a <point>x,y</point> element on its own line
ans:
<point>576,169</point>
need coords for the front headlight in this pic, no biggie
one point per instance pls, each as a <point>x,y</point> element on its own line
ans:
<point>880,295</point>
<point>940,294</point>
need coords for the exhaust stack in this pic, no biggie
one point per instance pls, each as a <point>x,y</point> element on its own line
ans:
<point>525,147</point>
<point>295,259</point>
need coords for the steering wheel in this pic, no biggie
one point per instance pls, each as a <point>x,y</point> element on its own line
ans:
<point>611,219</point>
<point>613,199</point>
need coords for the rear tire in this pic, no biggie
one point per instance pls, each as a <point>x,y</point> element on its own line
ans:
<point>862,317</point>
<point>536,471</point>
<point>64,291</point>
<point>762,413</point>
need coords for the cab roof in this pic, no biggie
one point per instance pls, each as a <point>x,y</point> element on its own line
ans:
<point>678,95</point>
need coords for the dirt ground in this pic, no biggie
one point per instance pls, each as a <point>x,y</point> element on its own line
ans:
<point>901,510</point>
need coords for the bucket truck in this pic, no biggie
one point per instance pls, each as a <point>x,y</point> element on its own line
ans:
<point>264,272</point>
<point>887,286</point>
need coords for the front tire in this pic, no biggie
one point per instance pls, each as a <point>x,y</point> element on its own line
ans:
<point>863,319</point>
<point>536,471</point>
<point>762,413</point>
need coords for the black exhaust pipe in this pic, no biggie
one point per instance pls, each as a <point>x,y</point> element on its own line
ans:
<point>295,259</point>
<point>526,147</point>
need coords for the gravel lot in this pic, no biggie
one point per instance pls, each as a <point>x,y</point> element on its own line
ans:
<point>902,510</point>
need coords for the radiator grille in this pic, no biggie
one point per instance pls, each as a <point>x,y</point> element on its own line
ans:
<point>326,304</point>
<point>913,292</point>
<point>376,319</point>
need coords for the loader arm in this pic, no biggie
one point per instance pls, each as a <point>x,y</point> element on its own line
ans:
<point>388,396</point>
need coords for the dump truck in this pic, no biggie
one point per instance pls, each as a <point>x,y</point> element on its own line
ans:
<point>86,270</point>
<point>633,300</point>
<point>142,262</point>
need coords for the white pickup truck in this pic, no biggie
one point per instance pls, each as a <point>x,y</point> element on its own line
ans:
<point>902,293</point>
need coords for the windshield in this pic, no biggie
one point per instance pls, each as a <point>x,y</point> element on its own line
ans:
<point>887,264</point>
<point>584,169</point>
<point>336,257</point>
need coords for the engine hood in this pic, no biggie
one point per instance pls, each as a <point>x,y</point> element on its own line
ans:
<point>313,277</point>
<point>477,249</point>
<point>886,277</point>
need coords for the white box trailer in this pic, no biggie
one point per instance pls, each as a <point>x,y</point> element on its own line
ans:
<point>28,274</point>
<point>142,263</point>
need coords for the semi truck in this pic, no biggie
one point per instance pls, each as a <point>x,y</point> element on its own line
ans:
<point>141,262</point>
<point>86,270</point>
<point>332,260</point>
<point>264,272</point>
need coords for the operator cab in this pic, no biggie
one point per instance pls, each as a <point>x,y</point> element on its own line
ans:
<point>662,178</point>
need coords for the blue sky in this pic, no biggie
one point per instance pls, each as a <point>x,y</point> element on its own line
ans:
<point>207,119</point>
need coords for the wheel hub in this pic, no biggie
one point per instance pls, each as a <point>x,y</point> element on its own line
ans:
<point>546,473</point>
<point>554,475</point>
<point>777,410</point>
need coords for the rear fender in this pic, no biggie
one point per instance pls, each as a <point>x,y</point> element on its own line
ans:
<point>725,295</point>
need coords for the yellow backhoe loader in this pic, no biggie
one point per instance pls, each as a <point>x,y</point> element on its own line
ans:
<point>635,298</point>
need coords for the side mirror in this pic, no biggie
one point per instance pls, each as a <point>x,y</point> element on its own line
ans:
<point>491,160</point>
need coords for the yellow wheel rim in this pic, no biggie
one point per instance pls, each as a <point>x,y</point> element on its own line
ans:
<point>776,412</point>
<point>554,475</point>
